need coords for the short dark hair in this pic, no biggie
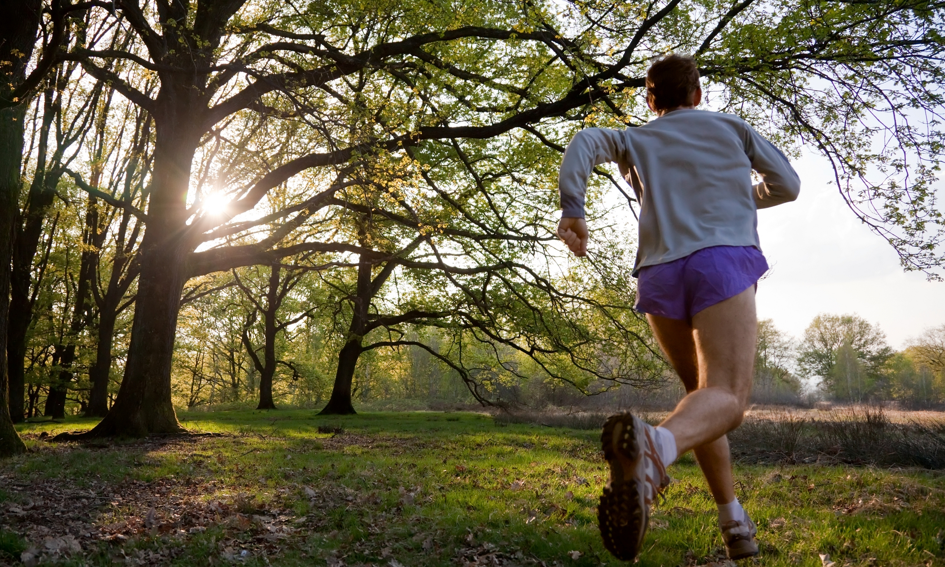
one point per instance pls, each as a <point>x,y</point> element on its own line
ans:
<point>671,82</point>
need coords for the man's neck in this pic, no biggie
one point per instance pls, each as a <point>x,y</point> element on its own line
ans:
<point>684,107</point>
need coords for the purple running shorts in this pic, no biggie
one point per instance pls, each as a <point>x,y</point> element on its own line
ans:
<point>684,287</point>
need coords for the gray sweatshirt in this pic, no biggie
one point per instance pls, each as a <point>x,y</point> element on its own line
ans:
<point>691,172</point>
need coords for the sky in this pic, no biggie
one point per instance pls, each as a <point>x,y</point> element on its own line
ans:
<point>824,260</point>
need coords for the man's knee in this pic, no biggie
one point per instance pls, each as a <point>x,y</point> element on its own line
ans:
<point>737,409</point>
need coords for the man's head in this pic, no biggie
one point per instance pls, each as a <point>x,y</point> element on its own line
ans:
<point>671,82</point>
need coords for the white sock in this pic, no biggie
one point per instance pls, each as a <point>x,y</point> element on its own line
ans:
<point>666,445</point>
<point>731,511</point>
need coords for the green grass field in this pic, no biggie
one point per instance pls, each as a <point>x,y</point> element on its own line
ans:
<point>424,489</point>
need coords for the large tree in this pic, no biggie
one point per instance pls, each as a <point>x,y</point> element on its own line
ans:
<point>929,348</point>
<point>362,80</point>
<point>453,244</point>
<point>275,307</point>
<point>846,352</point>
<point>20,23</point>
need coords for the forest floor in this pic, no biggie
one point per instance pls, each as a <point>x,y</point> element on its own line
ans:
<point>424,489</point>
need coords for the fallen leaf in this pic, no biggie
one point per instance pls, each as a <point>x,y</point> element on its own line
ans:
<point>825,560</point>
<point>575,555</point>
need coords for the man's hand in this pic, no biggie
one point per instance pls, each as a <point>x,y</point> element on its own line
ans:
<point>573,232</point>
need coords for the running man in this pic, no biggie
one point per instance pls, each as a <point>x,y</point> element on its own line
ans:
<point>697,266</point>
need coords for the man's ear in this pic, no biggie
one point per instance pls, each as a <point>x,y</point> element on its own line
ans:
<point>697,96</point>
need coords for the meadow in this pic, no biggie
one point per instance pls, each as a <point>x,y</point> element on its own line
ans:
<point>428,489</point>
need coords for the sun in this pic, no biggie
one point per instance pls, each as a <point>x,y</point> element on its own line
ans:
<point>215,203</point>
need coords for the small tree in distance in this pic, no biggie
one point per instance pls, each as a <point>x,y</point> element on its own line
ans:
<point>774,360</point>
<point>846,353</point>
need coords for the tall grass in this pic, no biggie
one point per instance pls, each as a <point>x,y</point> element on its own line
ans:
<point>856,435</point>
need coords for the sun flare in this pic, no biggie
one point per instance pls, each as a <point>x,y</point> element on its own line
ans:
<point>215,203</point>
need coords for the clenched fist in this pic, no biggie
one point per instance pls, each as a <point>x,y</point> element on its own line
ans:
<point>573,231</point>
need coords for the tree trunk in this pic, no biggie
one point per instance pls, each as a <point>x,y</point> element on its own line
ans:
<point>268,371</point>
<point>265,377</point>
<point>340,402</point>
<point>101,368</point>
<point>110,306</point>
<point>26,243</point>
<point>32,398</point>
<point>81,314</point>
<point>11,150</point>
<point>16,350</point>
<point>19,22</point>
<point>265,392</point>
<point>56,400</point>
<point>143,405</point>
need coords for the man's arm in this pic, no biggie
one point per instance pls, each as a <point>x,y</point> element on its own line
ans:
<point>587,149</point>
<point>780,183</point>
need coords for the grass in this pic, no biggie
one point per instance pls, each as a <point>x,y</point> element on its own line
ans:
<point>425,488</point>
<point>856,435</point>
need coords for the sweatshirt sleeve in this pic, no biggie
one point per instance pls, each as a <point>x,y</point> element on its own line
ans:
<point>780,183</point>
<point>587,149</point>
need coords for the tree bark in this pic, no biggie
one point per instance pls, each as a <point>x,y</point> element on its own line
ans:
<point>101,368</point>
<point>11,150</point>
<point>19,22</point>
<point>340,402</point>
<point>143,406</point>
<point>56,399</point>
<point>109,309</point>
<point>268,371</point>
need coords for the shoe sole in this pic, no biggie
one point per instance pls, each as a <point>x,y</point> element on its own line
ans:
<point>743,554</point>
<point>743,549</point>
<point>620,517</point>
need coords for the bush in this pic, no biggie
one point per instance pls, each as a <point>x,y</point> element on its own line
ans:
<point>858,436</point>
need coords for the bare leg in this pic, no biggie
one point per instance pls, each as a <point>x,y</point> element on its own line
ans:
<point>676,339</point>
<point>720,346</point>
<point>724,337</point>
